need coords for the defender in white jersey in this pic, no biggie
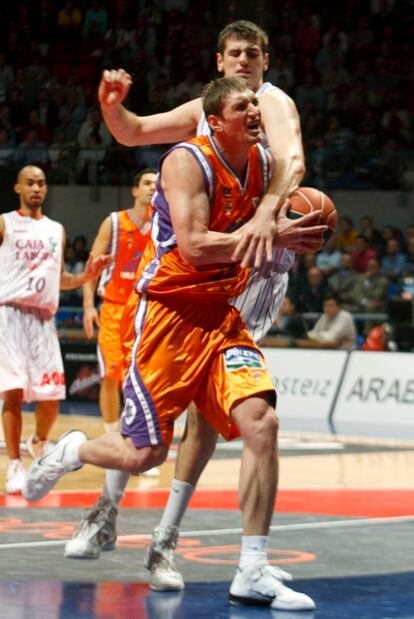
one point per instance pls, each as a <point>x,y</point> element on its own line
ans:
<point>31,367</point>
<point>242,53</point>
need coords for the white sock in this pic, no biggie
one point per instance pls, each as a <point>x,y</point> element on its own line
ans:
<point>178,500</point>
<point>111,426</point>
<point>71,455</point>
<point>115,484</point>
<point>253,549</point>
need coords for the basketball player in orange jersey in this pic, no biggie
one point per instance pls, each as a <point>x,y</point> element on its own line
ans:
<point>190,342</point>
<point>242,52</point>
<point>31,368</point>
<point>124,235</point>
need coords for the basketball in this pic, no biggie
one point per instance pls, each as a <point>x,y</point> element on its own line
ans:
<point>307,199</point>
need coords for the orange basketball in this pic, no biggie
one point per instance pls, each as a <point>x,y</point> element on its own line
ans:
<point>307,199</point>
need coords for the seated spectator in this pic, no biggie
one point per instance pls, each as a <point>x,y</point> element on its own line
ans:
<point>187,89</point>
<point>370,290</point>
<point>310,297</point>
<point>342,282</point>
<point>347,235</point>
<point>409,259</point>
<point>393,263</point>
<point>95,23</point>
<point>6,149</point>
<point>61,157</point>
<point>338,141</point>
<point>94,125</point>
<point>391,164</point>
<point>72,265</point>
<point>362,254</point>
<point>289,323</point>
<point>43,132</point>
<point>69,23</point>
<point>19,112</point>
<point>47,110</point>
<point>372,234</point>
<point>67,127</point>
<point>80,247</point>
<point>310,89</point>
<point>299,272</point>
<point>6,77</point>
<point>334,329</point>
<point>328,259</point>
<point>32,151</point>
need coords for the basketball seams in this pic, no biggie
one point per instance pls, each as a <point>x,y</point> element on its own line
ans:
<point>305,198</point>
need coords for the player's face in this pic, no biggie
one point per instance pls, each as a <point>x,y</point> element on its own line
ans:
<point>245,59</point>
<point>32,188</point>
<point>146,188</point>
<point>240,118</point>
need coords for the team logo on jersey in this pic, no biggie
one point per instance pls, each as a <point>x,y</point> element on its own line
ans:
<point>238,358</point>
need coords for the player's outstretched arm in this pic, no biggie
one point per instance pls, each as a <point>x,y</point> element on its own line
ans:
<point>130,129</point>
<point>93,268</point>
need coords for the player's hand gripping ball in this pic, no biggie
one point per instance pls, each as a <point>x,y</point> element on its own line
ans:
<point>307,199</point>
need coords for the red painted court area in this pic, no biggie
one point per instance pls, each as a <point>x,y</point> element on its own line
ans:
<point>359,503</point>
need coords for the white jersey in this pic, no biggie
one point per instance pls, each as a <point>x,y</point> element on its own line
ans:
<point>260,301</point>
<point>31,263</point>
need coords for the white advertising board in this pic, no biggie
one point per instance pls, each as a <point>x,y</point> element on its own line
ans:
<point>377,388</point>
<point>306,381</point>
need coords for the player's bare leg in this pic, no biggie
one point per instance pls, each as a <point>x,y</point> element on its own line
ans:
<point>196,447</point>
<point>12,428</point>
<point>110,402</point>
<point>256,582</point>
<point>46,415</point>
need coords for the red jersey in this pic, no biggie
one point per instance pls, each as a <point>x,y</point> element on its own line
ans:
<point>232,203</point>
<point>128,242</point>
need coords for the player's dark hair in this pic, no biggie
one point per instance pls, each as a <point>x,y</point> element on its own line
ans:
<point>243,29</point>
<point>216,92</point>
<point>137,177</point>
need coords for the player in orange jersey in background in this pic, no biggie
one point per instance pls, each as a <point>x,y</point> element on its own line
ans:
<point>124,234</point>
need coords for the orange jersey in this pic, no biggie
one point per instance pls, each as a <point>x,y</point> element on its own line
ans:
<point>128,242</point>
<point>163,271</point>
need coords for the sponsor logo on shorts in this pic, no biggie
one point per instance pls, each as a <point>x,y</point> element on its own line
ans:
<point>129,412</point>
<point>238,358</point>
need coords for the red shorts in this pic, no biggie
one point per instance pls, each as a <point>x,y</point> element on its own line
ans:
<point>184,352</point>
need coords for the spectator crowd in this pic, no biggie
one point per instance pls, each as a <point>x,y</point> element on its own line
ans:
<point>347,65</point>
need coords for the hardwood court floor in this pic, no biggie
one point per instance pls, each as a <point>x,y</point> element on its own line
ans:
<point>342,525</point>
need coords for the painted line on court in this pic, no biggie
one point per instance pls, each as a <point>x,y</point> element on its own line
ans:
<point>330,524</point>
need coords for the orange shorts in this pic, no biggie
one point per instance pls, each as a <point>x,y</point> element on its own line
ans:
<point>184,352</point>
<point>110,353</point>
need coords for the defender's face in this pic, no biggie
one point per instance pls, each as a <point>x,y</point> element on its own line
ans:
<point>243,59</point>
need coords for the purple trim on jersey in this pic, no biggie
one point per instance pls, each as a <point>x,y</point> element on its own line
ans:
<point>139,417</point>
<point>101,362</point>
<point>162,234</point>
<point>112,250</point>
